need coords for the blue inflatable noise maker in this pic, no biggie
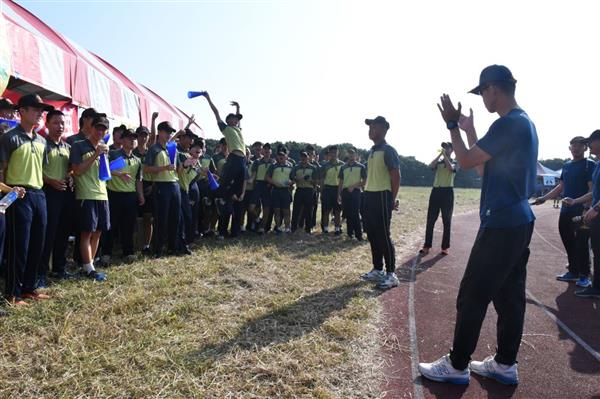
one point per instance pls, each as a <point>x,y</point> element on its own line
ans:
<point>192,94</point>
<point>9,122</point>
<point>104,167</point>
<point>117,164</point>
<point>172,151</point>
<point>212,183</point>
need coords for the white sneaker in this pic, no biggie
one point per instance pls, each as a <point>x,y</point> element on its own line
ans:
<point>442,371</point>
<point>389,281</point>
<point>105,259</point>
<point>490,368</point>
<point>374,275</point>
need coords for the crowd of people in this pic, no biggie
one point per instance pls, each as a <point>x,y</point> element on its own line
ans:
<point>179,197</point>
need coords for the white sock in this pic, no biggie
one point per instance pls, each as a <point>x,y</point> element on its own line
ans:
<point>88,267</point>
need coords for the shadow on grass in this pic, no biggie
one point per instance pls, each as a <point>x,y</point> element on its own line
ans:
<point>285,323</point>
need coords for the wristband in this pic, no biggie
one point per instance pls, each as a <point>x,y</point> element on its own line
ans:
<point>451,125</point>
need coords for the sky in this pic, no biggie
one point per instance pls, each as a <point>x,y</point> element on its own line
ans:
<point>312,71</point>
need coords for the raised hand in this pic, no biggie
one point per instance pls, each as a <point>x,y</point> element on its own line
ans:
<point>154,116</point>
<point>466,122</point>
<point>235,104</point>
<point>447,109</point>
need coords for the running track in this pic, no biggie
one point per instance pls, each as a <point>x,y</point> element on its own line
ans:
<point>560,351</point>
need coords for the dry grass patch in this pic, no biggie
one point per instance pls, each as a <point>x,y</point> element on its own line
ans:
<point>259,317</point>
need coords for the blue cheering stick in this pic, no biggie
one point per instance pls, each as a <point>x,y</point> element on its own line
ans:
<point>212,182</point>
<point>172,151</point>
<point>11,123</point>
<point>104,167</point>
<point>192,94</point>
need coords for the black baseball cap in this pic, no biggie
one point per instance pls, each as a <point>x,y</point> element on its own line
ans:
<point>35,101</point>
<point>379,120</point>
<point>129,133</point>
<point>91,113</point>
<point>578,139</point>
<point>142,130</point>
<point>166,127</point>
<point>493,74</point>
<point>100,120</point>
<point>188,133</point>
<point>238,116</point>
<point>5,103</point>
<point>594,136</point>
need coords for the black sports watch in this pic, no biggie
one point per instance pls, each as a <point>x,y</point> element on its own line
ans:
<point>451,125</point>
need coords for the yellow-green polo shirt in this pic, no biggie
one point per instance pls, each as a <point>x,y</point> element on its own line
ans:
<point>133,168</point>
<point>351,174</point>
<point>26,157</point>
<point>444,177</point>
<point>220,161</point>
<point>57,167</point>
<point>188,174</point>
<point>260,167</point>
<point>206,162</point>
<point>234,138</point>
<point>382,158</point>
<point>304,176</point>
<point>147,177</point>
<point>280,173</point>
<point>88,186</point>
<point>331,172</point>
<point>158,156</point>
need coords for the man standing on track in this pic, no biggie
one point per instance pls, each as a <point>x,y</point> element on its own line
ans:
<point>496,270</point>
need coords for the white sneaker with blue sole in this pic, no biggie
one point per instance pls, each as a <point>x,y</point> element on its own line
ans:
<point>374,276</point>
<point>507,375</point>
<point>442,371</point>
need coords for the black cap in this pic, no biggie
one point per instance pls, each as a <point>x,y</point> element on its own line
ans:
<point>238,116</point>
<point>380,120</point>
<point>35,101</point>
<point>188,133</point>
<point>5,103</point>
<point>578,139</point>
<point>493,74</point>
<point>594,136</point>
<point>129,133</point>
<point>100,120</point>
<point>91,113</point>
<point>142,130</point>
<point>166,127</point>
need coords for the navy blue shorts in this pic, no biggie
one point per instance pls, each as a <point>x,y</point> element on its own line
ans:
<point>281,198</point>
<point>147,207</point>
<point>329,199</point>
<point>262,194</point>
<point>93,215</point>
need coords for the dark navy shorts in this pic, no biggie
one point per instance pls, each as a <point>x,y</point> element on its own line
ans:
<point>262,194</point>
<point>329,199</point>
<point>93,215</point>
<point>281,198</point>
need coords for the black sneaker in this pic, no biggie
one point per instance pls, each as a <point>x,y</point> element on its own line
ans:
<point>61,275</point>
<point>589,292</point>
<point>147,251</point>
<point>96,275</point>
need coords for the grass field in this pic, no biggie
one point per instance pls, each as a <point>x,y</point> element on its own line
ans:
<point>270,316</point>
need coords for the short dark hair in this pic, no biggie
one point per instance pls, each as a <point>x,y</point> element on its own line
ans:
<point>303,154</point>
<point>52,113</point>
<point>266,146</point>
<point>309,148</point>
<point>257,144</point>
<point>223,141</point>
<point>350,151</point>
<point>199,142</point>
<point>332,148</point>
<point>507,88</point>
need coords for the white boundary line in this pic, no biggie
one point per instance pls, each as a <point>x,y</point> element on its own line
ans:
<point>556,320</point>
<point>412,327</point>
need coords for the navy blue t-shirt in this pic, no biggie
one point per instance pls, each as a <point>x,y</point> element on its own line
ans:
<point>596,186</point>
<point>509,176</point>
<point>575,178</point>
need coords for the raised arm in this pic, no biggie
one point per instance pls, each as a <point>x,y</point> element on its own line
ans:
<point>467,125</point>
<point>214,110</point>
<point>152,137</point>
<point>433,163</point>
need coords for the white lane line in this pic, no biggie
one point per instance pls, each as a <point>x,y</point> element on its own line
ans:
<point>412,327</point>
<point>556,320</point>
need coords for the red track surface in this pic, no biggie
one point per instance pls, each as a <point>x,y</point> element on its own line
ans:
<point>551,363</point>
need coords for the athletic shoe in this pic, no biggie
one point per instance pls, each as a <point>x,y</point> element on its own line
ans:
<point>489,368</point>
<point>96,275</point>
<point>568,276</point>
<point>287,231</point>
<point>589,292</point>
<point>583,282</point>
<point>389,281</point>
<point>35,296</point>
<point>445,252</point>
<point>442,371</point>
<point>17,302</point>
<point>146,251</point>
<point>338,231</point>
<point>64,275</point>
<point>424,251</point>
<point>374,275</point>
<point>42,282</point>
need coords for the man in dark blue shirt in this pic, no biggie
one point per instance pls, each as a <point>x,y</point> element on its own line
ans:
<point>592,221</point>
<point>575,181</point>
<point>496,271</point>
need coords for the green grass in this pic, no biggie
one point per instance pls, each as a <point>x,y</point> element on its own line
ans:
<point>259,317</point>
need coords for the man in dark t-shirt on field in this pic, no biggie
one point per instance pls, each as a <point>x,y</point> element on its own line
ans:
<point>496,270</point>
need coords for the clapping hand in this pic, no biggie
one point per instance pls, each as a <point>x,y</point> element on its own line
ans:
<point>465,123</point>
<point>447,109</point>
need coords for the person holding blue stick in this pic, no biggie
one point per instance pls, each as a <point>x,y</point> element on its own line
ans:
<point>233,177</point>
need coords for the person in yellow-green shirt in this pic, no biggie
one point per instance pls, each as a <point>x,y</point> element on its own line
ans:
<point>233,176</point>
<point>352,179</point>
<point>125,194</point>
<point>93,213</point>
<point>60,199</point>
<point>441,197</point>
<point>262,189</point>
<point>305,176</point>
<point>279,176</point>
<point>166,195</point>
<point>381,190</point>
<point>207,207</point>
<point>145,211</point>
<point>188,171</point>
<point>330,180</point>
<point>22,154</point>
